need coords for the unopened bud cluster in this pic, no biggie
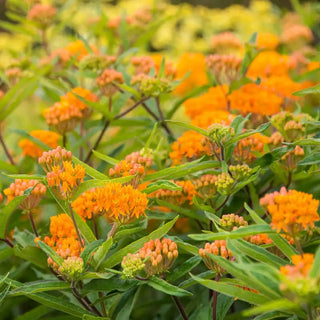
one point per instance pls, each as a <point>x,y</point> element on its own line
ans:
<point>96,62</point>
<point>107,81</point>
<point>53,158</point>
<point>160,255</point>
<point>225,68</point>
<point>217,248</point>
<point>131,264</point>
<point>206,185</point>
<point>150,86</point>
<point>224,183</point>
<point>240,171</point>
<point>71,267</point>
<point>18,188</point>
<point>229,221</point>
<point>220,133</point>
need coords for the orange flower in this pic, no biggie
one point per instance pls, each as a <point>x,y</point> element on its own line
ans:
<point>253,98</point>
<point>269,63</point>
<point>214,99</point>
<point>161,255</point>
<point>207,118</point>
<point>30,149</point>
<point>246,148</point>
<point>65,179</point>
<point>301,266</point>
<point>293,212</point>
<point>78,49</point>
<point>178,197</point>
<point>188,147</point>
<point>18,188</point>
<point>217,248</point>
<point>195,64</point>
<point>122,204</point>
<point>267,41</point>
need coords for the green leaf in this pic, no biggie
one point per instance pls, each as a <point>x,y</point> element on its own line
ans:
<point>313,158</point>
<point>105,158</point>
<point>162,184</point>
<point>93,173</point>
<point>315,270</point>
<point>4,293</point>
<point>7,211</point>
<point>232,291</point>
<point>237,234</point>
<point>258,253</point>
<point>89,250</point>
<point>39,286</point>
<point>136,245</point>
<point>101,253</point>
<point>189,126</point>
<point>50,252</point>
<point>166,287</point>
<point>311,90</point>
<point>184,268</point>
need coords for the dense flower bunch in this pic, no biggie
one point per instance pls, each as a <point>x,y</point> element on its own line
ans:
<point>18,188</point>
<point>292,211</point>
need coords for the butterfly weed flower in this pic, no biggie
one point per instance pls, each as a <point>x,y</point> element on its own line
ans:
<point>54,158</point>
<point>158,255</point>
<point>217,248</point>
<point>65,180</point>
<point>19,187</point>
<point>30,149</point>
<point>108,80</point>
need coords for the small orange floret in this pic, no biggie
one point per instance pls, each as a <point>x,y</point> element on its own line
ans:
<point>30,149</point>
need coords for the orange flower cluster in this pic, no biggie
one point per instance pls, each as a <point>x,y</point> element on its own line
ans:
<point>293,212</point>
<point>246,148</point>
<point>179,197</point>
<point>63,240</point>
<point>217,248</point>
<point>301,268</point>
<point>253,98</point>
<point>161,255</point>
<point>195,64</point>
<point>226,43</point>
<point>66,114</point>
<point>123,204</point>
<point>88,204</point>
<point>107,80</point>
<point>42,14</point>
<point>54,158</point>
<point>18,188</point>
<point>65,179</point>
<point>213,100</point>
<point>190,146</point>
<point>269,63</point>
<point>207,118</point>
<point>78,50</point>
<point>30,149</point>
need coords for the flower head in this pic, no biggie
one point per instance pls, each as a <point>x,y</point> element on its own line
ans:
<point>30,149</point>
<point>292,211</point>
<point>19,187</point>
<point>160,255</point>
<point>65,179</point>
